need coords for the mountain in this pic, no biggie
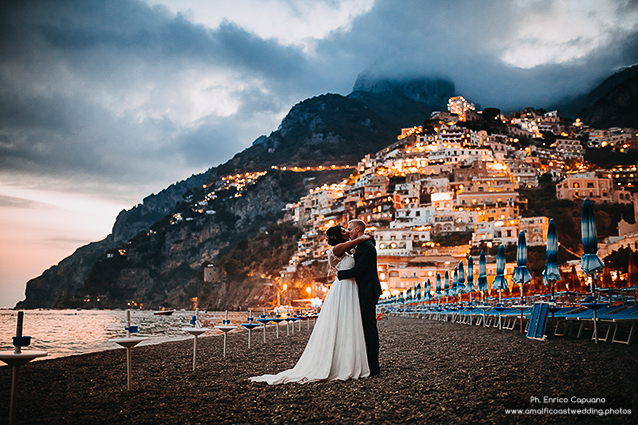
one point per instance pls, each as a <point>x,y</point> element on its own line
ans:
<point>339,129</point>
<point>152,258</point>
<point>611,104</point>
<point>614,103</point>
<point>60,282</point>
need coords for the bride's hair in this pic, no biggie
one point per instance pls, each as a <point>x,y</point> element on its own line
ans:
<point>334,236</point>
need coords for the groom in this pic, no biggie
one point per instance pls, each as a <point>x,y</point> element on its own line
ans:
<point>365,274</point>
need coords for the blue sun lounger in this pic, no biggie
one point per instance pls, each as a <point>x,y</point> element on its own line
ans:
<point>588,316</point>
<point>628,316</point>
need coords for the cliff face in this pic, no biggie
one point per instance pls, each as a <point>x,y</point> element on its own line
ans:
<point>56,287</point>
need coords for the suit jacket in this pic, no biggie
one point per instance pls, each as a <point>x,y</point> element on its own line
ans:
<point>364,271</point>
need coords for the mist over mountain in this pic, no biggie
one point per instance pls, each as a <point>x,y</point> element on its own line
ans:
<point>614,103</point>
<point>608,104</point>
<point>332,128</point>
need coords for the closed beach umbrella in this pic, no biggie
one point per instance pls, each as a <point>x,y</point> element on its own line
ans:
<point>521,274</point>
<point>632,273</point>
<point>551,272</point>
<point>589,261</point>
<point>446,285</point>
<point>606,281</point>
<point>560,286</point>
<point>437,288</point>
<point>418,291</point>
<point>461,289</point>
<point>500,283</point>
<point>470,274</point>
<point>482,277</point>
<point>514,292</point>
<point>454,289</point>
<point>574,282</point>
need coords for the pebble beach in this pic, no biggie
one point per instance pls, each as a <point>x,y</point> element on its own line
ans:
<point>432,372</point>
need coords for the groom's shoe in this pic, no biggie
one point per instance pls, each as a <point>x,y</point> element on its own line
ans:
<point>375,372</point>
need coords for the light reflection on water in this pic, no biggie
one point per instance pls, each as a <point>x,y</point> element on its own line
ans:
<point>68,332</point>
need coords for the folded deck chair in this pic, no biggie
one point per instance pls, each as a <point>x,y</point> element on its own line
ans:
<point>538,321</point>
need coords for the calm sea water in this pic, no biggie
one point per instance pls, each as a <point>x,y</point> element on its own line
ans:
<point>68,332</point>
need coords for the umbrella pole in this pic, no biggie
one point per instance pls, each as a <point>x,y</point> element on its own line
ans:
<point>500,295</point>
<point>595,328</point>
<point>521,308</point>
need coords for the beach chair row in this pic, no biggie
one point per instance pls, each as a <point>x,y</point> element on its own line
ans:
<point>615,323</point>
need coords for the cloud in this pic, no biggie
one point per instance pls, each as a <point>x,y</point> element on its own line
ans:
<point>502,53</point>
<point>14,202</point>
<point>123,95</point>
<point>112,91</point>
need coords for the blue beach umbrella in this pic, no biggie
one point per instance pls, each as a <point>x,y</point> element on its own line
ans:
<point>589,261</point>
<point>437,288</point>
<point>428,291</point>
<point>454,290</point>
<point>500,283</point>
<point>482,277</point>
<point>470,275</point>
<point>551,272</point>
<point>521,273</point>
<point>446,285</point>
<point>418,291</point>
<point>461,283</point>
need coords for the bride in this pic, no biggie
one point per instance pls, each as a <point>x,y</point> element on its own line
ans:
<point>336,348</point>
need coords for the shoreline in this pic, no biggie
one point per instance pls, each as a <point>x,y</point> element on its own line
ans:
<point>435,372</point>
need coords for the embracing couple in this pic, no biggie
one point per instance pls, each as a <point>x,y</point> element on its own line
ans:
<point>345,342</point>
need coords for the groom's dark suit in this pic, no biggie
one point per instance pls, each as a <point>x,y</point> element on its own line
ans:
<point>365,274</point>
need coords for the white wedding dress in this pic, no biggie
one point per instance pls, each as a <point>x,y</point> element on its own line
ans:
<point>336,348</point>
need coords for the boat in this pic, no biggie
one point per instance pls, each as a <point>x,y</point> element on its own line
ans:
<point>163,312</point>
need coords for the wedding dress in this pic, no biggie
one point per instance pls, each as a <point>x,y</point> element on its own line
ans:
<point>336,348</point>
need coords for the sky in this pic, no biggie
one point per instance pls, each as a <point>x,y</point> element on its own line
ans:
<point>103,102</point>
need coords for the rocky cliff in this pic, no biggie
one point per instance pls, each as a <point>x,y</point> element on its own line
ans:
<point>57,285</point>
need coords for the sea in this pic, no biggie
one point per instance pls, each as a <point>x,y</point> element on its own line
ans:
<point>64,333</point>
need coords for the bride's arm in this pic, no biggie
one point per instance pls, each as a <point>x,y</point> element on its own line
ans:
<point>339,249</point>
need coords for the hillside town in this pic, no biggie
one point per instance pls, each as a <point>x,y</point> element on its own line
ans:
<point>452,183</point>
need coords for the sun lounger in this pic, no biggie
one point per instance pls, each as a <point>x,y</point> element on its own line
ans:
<point>588,316</point>
<point>617,320</point>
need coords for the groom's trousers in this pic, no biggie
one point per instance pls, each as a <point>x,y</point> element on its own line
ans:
<point>370,331</point>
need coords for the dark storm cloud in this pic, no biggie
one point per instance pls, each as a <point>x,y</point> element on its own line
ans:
<point>466,41</point>
<point>121,92</point>
<point>72,97</point>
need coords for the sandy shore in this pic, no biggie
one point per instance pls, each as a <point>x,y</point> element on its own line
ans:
<point>434,372</point>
